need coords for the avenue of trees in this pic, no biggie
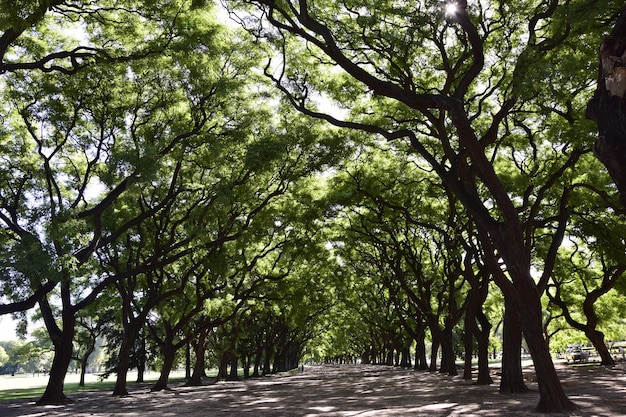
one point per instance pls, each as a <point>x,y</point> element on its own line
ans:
<point>248,183</point>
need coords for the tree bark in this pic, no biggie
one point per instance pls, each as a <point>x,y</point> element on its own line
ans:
<point>198,368</point>
<point>234,361</point>
<point>123,359</point>
<point>596,338</point>
<point>83,363</point>
<point>420,354</point>
<point>608,108</point>
<point>63,348</point>
<point>512,380</point>
<point>169,355</point>
<point>484,376</point>
<point>54,395</point>
<point>552,397</point>
<point>141,357</point>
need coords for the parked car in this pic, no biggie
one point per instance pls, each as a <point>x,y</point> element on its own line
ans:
<point>576,354</point>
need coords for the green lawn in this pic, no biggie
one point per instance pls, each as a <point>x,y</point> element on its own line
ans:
<point>29,386</point>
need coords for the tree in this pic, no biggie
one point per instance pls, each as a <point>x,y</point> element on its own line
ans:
<point>80,137</point>
<point>417,72</point>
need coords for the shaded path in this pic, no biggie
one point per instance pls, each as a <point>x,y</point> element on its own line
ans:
<point>348,390</point>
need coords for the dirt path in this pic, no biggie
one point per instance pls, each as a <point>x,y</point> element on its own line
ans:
<point>348,390</point>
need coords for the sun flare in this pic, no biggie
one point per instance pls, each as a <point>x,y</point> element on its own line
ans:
<point>451,8</point>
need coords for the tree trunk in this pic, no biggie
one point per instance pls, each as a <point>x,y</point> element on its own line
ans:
<point>434,351</point>
<point>420,354</point>
<point>123,360</point>
<point>54,395</point>
<point>405,362</point>
<point>468,343</point>
<point>608,107</point>
<point>234,361</point>
<point>484,376</point>
<point>443,339</point>
<point>596,338</point>
<point>267,360</point>
<point>552,398</point>
<point>188,360</point>
<point>63,348</point>
<point>198,368</point>
<point>169,354</point>
<point>141,357</point>
<point>83,363</point>
<point>258,356</point>
<point>512,380</point>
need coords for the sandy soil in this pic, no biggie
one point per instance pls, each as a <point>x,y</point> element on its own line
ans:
<point>348,390</point>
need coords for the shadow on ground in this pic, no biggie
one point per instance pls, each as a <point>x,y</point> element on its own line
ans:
<point>348,390</point>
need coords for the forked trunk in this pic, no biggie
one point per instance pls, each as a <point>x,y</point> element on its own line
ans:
<point>420,354</point>
<point>198,367</point>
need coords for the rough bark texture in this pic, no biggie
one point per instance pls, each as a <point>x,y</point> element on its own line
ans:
<point>552,396</point>
<point>169,355</point>
<point>198,368</point>
<point>130,334</point>
<point>63,347</point>
<point>608,107</point>
<point>512,378</point>
<point>54,395</point>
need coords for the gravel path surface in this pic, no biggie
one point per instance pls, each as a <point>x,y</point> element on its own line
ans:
<point>346,390</point>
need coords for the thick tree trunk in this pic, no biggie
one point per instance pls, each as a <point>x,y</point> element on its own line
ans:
<point>596,338</point>
<point>234,361</point>
<point>448,358</point>
<point>405,361</point>
<point>198,368</point>
<point>434,351</point>
<point>63,348</point>
<point>169,354</point>
<point>420,352</point>
<point>54,395</point>
<point>608,106</point>
<point>444,340</point>
<point>123,361</point>
<point>484,376</point>
<point>512,380</point>
<point>552,398</point>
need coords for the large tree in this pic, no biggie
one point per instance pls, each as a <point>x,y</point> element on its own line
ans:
<point>83,145</point>
<point>460,82</point>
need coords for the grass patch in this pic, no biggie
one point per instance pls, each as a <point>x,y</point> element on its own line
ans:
<point>24,387</point>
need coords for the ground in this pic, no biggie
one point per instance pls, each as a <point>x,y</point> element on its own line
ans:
<point>346,390</point>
